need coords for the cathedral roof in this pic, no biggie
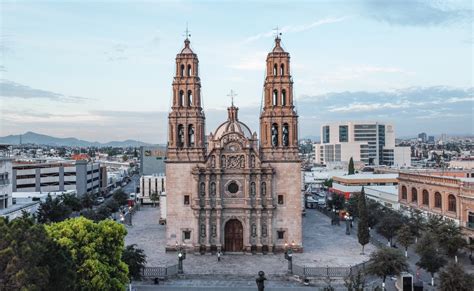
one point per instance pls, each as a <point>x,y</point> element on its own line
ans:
<point>232,125</point>
<point>187,49</point>
<point>278,48</point>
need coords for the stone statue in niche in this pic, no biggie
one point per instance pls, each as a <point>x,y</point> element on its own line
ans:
<point>252,161</point>
<point>285,135</point>
<point>264,189</point>
<point>213,189</point>
<point>274,136</point>
<point>223,162</point>
<point>252,189</point>
<point>254,230</point>
<point>213,162</point>
<point>264,230</point>
<point>214,230</point>
<point>202,190</point>
<point>203,230</point>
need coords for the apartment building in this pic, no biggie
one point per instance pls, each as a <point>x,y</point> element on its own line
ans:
<point>150,184</point>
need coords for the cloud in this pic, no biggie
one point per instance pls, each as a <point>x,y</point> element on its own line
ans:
<point>9,89</point>
<point>295,28</point>
<point>3,68</point>
<point>415,12</point>
<point>251,63</point>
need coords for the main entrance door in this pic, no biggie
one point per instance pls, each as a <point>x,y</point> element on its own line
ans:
<point>234,236</point>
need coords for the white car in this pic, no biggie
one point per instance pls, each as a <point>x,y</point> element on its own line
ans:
<point>100,200</point>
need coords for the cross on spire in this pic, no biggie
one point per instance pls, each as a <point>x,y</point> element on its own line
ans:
<point>187,32</point>
<point>277,32</point>
<point>232,95</point>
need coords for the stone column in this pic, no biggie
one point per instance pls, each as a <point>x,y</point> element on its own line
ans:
<point>259,231</point>
<point>270,230</point>
<point>218,227</point>
<point>208,229</point>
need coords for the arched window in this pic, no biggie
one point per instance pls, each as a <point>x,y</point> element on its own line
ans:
<point>275,97</point>
<point>181,98</point>
<point>263,188</point>
<point>438,200</point>
<point>283,97</point>
<point>414,195</point>
<point>426,197</point>
<point>181,71</point>
<point>404,193</point>
<point>451,203</point>
<point>282,69</point>
<point>191,135</point>
<point>180,135</point>
<point>189,70</point>
<point>190,98</point>
<point>286,135</point>
<point>275,135</point>
<point>275,69</point>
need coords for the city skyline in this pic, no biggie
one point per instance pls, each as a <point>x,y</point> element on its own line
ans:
<point>60,72</point>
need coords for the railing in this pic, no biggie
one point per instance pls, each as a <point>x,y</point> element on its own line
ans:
<point>331,272</point>
<point>160,272</point>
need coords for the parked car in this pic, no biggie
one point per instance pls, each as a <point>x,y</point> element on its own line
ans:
<point>100,200</point>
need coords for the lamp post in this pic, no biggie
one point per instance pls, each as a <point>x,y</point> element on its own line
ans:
<point>289,257</point>
<point>347,217</point>
<point>122,219</point>
<point>130,214</point>
<point>181,257</point>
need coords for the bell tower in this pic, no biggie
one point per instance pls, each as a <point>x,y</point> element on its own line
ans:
<point>278,119</point>
<point>186,120</point>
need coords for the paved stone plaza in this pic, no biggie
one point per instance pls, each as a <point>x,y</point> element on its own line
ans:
<point>324,245</point>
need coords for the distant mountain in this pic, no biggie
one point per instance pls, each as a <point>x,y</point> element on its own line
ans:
<point>41,139</point>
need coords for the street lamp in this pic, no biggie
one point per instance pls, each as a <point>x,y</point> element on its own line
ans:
<point>181,258</point>
<point>289,257</point>
<point>122,219</point>
<point>130,214</point>
<point>347,217</point>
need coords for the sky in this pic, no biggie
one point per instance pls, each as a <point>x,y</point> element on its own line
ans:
<point>102,70</point>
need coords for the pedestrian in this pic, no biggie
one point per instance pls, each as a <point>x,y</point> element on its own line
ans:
<point>261,281</point>
<point>219,256</point>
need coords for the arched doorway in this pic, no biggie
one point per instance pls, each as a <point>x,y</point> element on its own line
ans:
<point>234,236</point>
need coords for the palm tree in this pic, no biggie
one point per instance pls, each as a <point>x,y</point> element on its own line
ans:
<point>405,237</point>
<point>453,278</point>
<point>387,262</point>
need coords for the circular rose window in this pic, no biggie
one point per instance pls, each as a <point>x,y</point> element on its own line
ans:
<point>233,188</point>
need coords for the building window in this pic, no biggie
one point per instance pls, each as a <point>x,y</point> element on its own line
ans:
<point>286,134</point>
<point>283,97</point>
<point>414,195</point>
<point>187,234</point>
<point>281,234</point>
<point>180,136</point>
<point>190,98</point>
<point>438,200</point>
<point>233,188</point>
<point>181,98</point>
<point>426,197</point>
<point>343,133</point>
<point>451,203</point>
<point>275,135</point>
<point>282,69</point>
<point>275,97</point>
<point>263,188</point>
<point>404,193</point>
<point>326,134</point>
<point>275,69</point>
<point>470,220</point>
<point>181,72</point>
<point>189,70</point>
<point>191,135</point>
<point>280,199</point>
<point>186,199</point>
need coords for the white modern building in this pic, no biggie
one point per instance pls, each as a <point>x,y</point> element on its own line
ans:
<point>5,177</point>
<point>81,176</point>
<point>385,195</point>
<point>150,184</point>
<point>370,142</point>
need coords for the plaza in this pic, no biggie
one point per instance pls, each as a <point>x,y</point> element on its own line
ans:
<point>324,245</point>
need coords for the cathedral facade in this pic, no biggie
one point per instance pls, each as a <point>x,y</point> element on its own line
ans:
<point>231,191</point>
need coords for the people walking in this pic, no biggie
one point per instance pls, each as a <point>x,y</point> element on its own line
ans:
<point>219,256</point>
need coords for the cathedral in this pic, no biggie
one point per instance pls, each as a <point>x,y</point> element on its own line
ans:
<point>233,190</point>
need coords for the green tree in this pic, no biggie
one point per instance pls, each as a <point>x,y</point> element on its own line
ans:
<point>112,205</point>
<point>386,262</point>
<point>121,197</point>
<point>135,258</point>
<point>389,225</point>
<point>451,239</point>
<point>53,210</point>
<point>453,278</point>
<point>96,250</point>
<point>430,259</point>
<point>352,205</point>
<point>328,183</point>
<point>87,200</point>
<point>374,211</point>
<point>355,282</point>
<point>363,233</point>
<point>154,197</point>
<point>405,237</point>
<point>72,201</point>
<point>124,158</point>
<point>337,201</point>
<point>351,167</point>
<point>417,223</point>
<point>30,260</point>
<point>434,223</point>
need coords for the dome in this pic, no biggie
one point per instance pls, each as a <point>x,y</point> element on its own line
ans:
<point>187,49</point>
<point>232,125</point>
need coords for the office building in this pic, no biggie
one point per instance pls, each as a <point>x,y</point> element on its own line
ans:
<point>151,184</point>
<point>152,160</point>
<point>372,143</point>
